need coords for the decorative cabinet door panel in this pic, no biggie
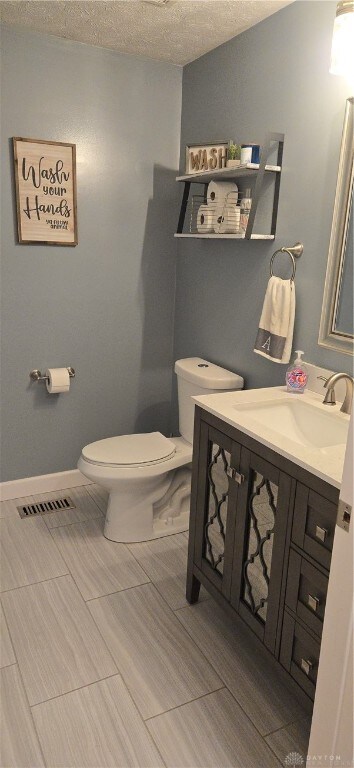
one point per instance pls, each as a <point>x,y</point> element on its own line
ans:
<point>261,522</point>
<point>216,505</point>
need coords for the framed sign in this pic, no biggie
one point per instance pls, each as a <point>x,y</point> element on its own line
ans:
<point>45,174</point>
<point>206,157</point>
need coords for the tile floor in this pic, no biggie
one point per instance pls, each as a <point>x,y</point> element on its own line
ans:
<point>104,663</point>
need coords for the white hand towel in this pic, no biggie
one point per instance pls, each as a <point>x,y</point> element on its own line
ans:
<point>275,333</point>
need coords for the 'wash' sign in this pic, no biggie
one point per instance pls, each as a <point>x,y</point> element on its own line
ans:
<point>45,191</point>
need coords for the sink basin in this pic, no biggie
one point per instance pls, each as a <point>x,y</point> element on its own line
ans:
<point>301,422</point>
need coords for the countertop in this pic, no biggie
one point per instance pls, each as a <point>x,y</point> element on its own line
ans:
<point>326,463</point>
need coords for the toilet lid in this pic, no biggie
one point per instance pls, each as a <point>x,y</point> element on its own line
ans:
<point>130,450</point>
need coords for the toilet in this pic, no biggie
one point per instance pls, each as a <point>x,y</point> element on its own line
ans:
<point>148,476</point>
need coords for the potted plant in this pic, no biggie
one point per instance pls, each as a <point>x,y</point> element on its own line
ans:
<point>233,155</point>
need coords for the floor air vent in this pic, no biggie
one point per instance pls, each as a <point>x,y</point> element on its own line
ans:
<point>45,507</point>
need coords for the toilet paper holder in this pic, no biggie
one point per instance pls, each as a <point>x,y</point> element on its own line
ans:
<point>36,375</point>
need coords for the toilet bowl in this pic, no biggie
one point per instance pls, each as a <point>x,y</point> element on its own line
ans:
<point>148,476</point>
<point>149,492</point>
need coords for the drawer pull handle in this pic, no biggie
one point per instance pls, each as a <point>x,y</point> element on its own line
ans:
<point>235,475</point>
<point>313,602</point>
<point>321,533</point>
<point>306,666</point>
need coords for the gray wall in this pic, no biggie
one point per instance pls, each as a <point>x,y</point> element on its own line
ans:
<point>274,77</point>
<point>106,306</point>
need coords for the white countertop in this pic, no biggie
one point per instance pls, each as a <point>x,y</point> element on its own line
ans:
<point>326,463</point>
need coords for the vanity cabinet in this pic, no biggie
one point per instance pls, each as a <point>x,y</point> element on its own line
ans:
<point>261,533</point>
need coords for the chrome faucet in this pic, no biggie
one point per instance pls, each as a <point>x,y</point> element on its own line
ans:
<point>330,383</point>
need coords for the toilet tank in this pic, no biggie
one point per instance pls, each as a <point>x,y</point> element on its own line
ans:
<point>199,377</point>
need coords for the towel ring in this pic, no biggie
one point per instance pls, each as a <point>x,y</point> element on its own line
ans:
<point>294,252</point>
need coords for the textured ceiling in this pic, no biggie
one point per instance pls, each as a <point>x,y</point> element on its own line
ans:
<point>177,31</point>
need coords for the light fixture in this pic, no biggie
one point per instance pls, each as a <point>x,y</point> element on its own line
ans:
<point>342,58</point>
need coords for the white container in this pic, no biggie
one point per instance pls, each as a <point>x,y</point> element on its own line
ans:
<point>246,155</point>
<point>245,206</point>
<point>196,376</point>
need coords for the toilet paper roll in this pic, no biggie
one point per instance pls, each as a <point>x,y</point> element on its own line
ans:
<point>205,218</point>
<point>227,219</point>
<point>58,380</point>
<point>219,190</point>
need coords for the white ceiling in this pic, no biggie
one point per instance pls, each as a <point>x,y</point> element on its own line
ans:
<point>177,31</point>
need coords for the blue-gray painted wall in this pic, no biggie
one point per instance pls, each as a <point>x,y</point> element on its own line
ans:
<point>273,77</point>
<point>106,306</point>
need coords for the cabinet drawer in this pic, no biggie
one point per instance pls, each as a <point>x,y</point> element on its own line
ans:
<point>306,592</point>
<point>314,524</point>
<point>299,654</point>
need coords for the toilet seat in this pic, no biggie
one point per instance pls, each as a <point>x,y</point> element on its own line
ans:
<point>130,450</point>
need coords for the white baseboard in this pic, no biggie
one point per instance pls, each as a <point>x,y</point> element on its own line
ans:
<point>30,486</point>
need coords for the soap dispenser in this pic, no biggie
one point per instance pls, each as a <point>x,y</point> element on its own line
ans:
<point>296,375</point>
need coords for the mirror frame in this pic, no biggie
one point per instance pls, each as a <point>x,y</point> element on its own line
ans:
<point>328,336</point>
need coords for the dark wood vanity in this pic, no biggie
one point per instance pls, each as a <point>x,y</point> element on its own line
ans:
<point>261,535</point>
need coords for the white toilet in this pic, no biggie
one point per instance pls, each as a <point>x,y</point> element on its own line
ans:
<point>148,477</point>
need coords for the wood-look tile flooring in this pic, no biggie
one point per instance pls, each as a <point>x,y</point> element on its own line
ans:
<point>104,663</point>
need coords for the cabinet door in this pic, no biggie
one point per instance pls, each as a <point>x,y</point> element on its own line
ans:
<point>215,508</point>
<point>261,523</point>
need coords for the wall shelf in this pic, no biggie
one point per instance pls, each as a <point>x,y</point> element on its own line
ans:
<point>255,174</point>
<point>227,174</point>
